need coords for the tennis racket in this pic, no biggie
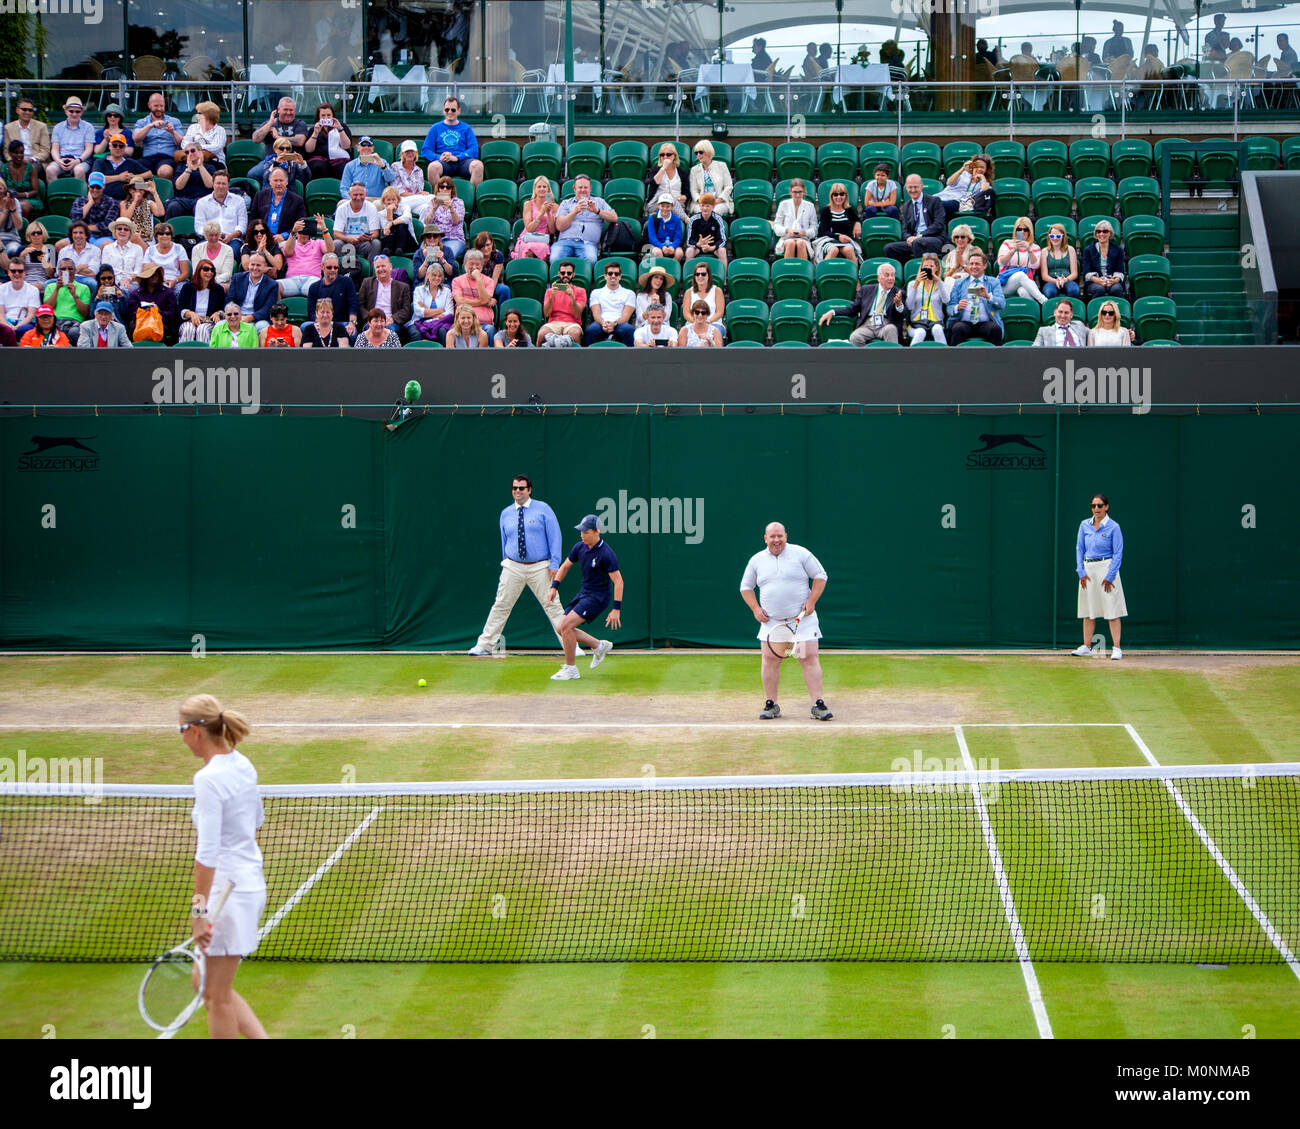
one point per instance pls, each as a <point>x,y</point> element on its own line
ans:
<point>781,637</point>
<point>172,989</point>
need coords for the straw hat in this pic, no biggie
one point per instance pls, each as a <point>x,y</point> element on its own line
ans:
<point>668,284</point>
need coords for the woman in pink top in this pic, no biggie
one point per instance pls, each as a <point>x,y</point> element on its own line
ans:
<point>474,287</point>
<point>302,258</point>
<point>1018,260</point>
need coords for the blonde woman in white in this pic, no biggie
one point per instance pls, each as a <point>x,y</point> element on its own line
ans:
<point>710,175</point>
<point>795,225</point>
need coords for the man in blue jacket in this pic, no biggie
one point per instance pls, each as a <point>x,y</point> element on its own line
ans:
<point>254,291</point>
<point>339,289</point>
<point>976,303</point>
<point>451,147</point>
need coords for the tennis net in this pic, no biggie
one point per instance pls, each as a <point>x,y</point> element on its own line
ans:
<point>1194,864</point>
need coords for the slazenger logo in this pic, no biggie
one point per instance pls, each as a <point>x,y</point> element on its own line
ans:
<point>182,384</point>
<point>653,515</point>
<point>1085,385</point>
<point>1015,459</point>
<point>37,459</point>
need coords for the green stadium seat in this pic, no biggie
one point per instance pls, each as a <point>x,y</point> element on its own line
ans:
<point>466,191</point>
<point>530,312</point>
<point>583,271</point>
<point>1139,196</point>
<point>746,320</point>
<point>792,278</point>
<point>721,151</point>
<point>924,158</point>
<point>1121,304</point>
<point>57,226</point>
<point>166,190</point>
<point>1048,313</point>
<point>748,278</point>
<point>1150,276</point>
<point>585,158</point>
<point>837,160</point>
<point>684,154</point>
<point>1161,344</point>
<point>1218,166</point>
<point>875,153</point>
<point>323,192</point>
<point>150,344</point>
<point>499,199</point>
<point>246,185</point>
<point>297,309</point>
<point>877,233</point>
<point>182,228</point>
<point>423,345</point>
<point>543,158</point>
<point>242,156</point>
<point>795,159</point>
<point>566,189</point>
<point>628,266</point>
<point>930,186</point>
<point>957,153</point>
<point>406,263</point>
<point>1143,235</point>
<point>1291,153</point>
<point>753,160</point>
<point>824,192</point>
<point>979,227</point>
<point>753,199</point>
<point>1020,319</point>
<point>744,344</point>
<point>930,345</point>
<point>1131,158</point>
<point>672,266</point>
<point>1001,229</point>
<point>1044,225</point>
<point>1046,157</point>
<point>1263,154</point>
<point>525,191</point>
<point>716,267</point>
<point>837,280</point>
<point>867,271</point>
<point>1016,344</point>
<point>62,194</point>
<point>880,343</point>
<point>911,269</point>
<point>609,343</point>
<point>1052,196</point>
<point>1156,319</point>
<point>792,321</point>
<point>1010,197</point>
<point>527,278</point>
<point>1089,156</point>
<point>501,159</point>
<point>628,159</point>
<point>750,238</point>
<point>496,227</point>
<point>1094,196</point>
<point>1008,158</point>
<point>626,196</point>
<point>1180,163</point>
<point>834,342</point>
<point>976,343</point>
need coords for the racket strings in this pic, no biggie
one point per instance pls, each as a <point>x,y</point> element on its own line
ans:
<point>169,988</point>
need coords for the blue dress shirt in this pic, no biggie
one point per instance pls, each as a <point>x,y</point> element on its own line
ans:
<point>992,306</point>
<point>541,534</point>
<point>1106,541</point>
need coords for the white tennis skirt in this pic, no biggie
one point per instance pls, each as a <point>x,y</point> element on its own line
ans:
<point>1094,601</point>
<point>808,628</point>
<point>235,931</point>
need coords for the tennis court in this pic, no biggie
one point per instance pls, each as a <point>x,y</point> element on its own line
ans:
<point>1089,881</point>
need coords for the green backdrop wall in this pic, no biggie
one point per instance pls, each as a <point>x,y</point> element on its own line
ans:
<point>936,531</point>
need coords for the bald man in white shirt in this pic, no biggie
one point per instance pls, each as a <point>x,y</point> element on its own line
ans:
<point>790,581</point>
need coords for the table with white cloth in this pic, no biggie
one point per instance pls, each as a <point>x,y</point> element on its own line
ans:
<point>725,74</point>
<point>281,80</point>
<point>845,78</point>
<point>408,85</point>
<point>585,74</point>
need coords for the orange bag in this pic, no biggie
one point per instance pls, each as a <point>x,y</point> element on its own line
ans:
<point>148,324</point>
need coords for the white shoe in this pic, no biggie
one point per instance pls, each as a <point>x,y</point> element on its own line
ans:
<point>602,649</point>
<point>479,650</point>
<point>565,674</point>
<point>1116,653</point>
<point>1082,652</point>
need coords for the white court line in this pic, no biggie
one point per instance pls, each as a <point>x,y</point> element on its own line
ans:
<point>320,873</point>
<point>1004,891</point>
<point>1275,938</point>
<point>747,725</point>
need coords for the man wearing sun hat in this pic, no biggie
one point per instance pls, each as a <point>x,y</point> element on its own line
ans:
<point>97,209</point>
<point>368,168</point>
<point>117,169</point>
<point>71,144</point>
<point>45,333</point>
<point>103,331</point>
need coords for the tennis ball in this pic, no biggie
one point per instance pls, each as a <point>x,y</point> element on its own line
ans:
<point>422,683</point>
<point>412,391</point>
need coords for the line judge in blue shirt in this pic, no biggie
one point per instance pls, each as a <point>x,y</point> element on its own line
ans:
<point>530,555</point>
<point>1098,552</point>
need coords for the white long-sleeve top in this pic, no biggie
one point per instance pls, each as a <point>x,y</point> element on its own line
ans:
<point>787,217</point>
<point>227,814</point>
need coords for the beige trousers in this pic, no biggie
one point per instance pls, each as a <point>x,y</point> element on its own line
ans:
<point>514,578</point>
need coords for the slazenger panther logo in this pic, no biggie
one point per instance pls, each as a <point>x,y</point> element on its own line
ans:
<point>38,457</point>
<point>1032,457</point>
<point>991,441</point>
<point>41,443</point>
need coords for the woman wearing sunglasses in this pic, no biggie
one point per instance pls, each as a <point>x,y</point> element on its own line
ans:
<point>1019,259</point>
<point>1109,330</point>
<point>841,228</point>
<point>1098,554</point>
<point>1059,267</point>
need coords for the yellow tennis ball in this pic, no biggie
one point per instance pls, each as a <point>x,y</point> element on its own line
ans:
<point>422,683</point>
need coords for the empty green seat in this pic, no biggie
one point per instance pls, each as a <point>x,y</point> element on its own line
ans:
<point>924,158</point>
<point>498,198</point>
<point>1263,153</point>
<point>747,278</point>
<point>500,159</point>
<point>496,227</point>
<point>837,160</point>
<point>527,278</point>
<point>243,155</point>
<point>1150,275</point>
<point>1010,197</point>
<point>1046,157</point>
<point>795,159</point>
<point>753,160</point>
<point>1143,235</point>
<point>750,238</point>
<point>1291,153</point>
<point>1131,158</point>
<point>626,196</point>
<point>628,158</point>
<point>1008,157</point>
<point>63,193</point>
<point>543,158</point>
<point>1052,196</point>
<point>792,278</point>
<point>1156,318</point>
<point>1094,196</point>
<point>1218,166</point>
<point>753,199</point>
<point>792,321</point>
<point>1089,156</point>
<point>746,320</point>
<point>323,192</point>
<point>1180,161</point>
<point>585,158</point>
<point>1020,319</point>
<point>837,280</point>
<point>1139,196</point>
<point>877,233</point>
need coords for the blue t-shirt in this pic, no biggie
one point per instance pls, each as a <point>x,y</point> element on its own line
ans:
<point>596,564</point>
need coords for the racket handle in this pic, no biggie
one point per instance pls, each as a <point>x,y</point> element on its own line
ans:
<point>219,903</point>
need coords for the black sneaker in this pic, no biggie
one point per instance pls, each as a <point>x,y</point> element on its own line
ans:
<point>820,712</point>
<point>770,710</point>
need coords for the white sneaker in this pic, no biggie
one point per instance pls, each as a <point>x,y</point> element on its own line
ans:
<point>565,673</point>
<point>602,649</point>
<point>1116,653</point>
<point>479,651</point>
<point>1082,652</point>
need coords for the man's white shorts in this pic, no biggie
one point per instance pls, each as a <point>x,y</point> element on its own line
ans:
<point>807,631</point>
<point>1094,601</point>
<point>235,932</point>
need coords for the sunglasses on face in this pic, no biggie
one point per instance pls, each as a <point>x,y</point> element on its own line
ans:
<point>1108,313</point>
<point>1098,506</point>
<point>839,193</point>
<point>564,274</point>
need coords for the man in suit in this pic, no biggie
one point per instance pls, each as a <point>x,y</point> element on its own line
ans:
<point>1064,332</point>
<point>35,135</point>
<point>277,206</point>
<point>103,331</point>
<point>254,292</point>
<point>975,305</point>
<point>922,218</point>
<point>386,293</point>
<point>877,310</point>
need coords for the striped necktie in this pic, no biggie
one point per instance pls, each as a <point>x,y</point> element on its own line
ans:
<point>523,545</point>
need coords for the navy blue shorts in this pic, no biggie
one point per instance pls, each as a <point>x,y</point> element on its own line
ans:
<point>589,607</point>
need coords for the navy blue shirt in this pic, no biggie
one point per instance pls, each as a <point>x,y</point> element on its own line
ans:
<point>596,564</point>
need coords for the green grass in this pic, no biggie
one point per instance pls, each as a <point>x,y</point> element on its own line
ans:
<point>1236,712</point>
